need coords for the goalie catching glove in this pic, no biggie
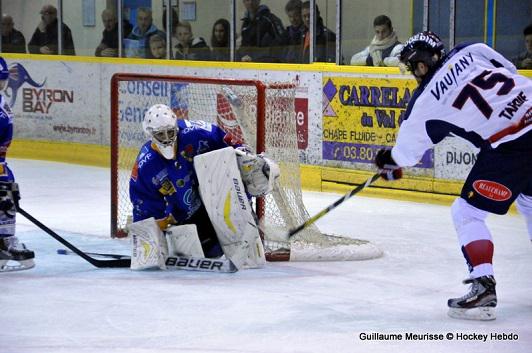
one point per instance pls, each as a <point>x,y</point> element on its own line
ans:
<point>258,172</point>
<point>388,169</point>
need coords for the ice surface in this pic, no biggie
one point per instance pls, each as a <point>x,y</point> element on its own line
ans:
<point>66,305</point>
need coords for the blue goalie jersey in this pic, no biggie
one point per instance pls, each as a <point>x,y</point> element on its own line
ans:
<point>166,189</point>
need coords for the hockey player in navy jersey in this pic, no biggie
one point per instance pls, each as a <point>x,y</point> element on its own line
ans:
<point>164,184</point>
<point>475,93</point>
<point>13,255</point>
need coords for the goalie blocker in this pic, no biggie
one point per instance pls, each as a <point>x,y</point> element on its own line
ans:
<point>224,197</point>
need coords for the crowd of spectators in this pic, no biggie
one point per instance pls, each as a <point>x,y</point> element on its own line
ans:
<point>262,37</point>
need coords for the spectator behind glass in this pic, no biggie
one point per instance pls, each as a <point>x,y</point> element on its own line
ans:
<point>220,41</point>
<point>296,30</point>
<point>158,47</point>
<point>384,49</point>
<point>137,44</point>
<point>109,45</point>
<point>13,41</point>
<point>524,60</point>
<point>174,20</point>
<point>325,50</point>
<point>188,47</point>
<point>45,39</point>
<point>263,34</point>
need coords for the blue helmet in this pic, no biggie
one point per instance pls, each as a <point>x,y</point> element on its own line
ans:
<point>4,70</point>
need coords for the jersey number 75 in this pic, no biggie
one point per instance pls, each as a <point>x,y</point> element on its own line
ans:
<point>486,80</point>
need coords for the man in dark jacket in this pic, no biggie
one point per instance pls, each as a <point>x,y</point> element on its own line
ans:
<point>263,35</point>
<point>109,45</point>
<point>295,31</point>
<point>325,49</point>
<point>45,38</point>
<point>13,41</point>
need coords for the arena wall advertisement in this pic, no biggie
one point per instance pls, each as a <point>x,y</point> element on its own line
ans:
<point>343,116</point>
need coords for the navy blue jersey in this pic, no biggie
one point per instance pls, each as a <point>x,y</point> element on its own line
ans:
<point>160,187</point>
<point>6,135</point>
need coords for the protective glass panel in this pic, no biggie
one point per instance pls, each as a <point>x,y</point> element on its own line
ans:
<point>22,22</point>
<point>469,23</point>
<point>372,31</point>
<point>203,32</point>
<point>512,17</point>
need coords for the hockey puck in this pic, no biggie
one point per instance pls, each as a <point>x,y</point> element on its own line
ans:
<point>62,251</point>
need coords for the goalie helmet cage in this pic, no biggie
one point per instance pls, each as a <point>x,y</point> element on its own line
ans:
<point>262,115</point>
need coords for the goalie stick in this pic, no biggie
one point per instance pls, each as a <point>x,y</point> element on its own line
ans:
<point>187,263</point>
<point>113,256</point>
<point>290,233</point>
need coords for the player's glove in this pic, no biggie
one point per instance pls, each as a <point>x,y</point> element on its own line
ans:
<point>388,169</point>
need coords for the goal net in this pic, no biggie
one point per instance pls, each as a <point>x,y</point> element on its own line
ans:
<point>262,115</point>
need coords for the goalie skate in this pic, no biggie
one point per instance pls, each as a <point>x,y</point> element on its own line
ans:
<point>14,256</point>
<point>478,304</point>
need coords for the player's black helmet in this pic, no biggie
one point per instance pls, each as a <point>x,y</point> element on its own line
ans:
<point>421,47</point>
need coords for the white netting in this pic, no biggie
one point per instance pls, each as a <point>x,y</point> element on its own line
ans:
<point>235,108</point>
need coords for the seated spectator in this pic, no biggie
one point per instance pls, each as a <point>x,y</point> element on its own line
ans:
<point>109,44</point>
<point>13,41</point>
<point>188,47</point>
<point>263,36</point>
<point>157,47</point>
<point>384,49</point>
<point>44,40</point>
<point>325,50</point>
<point>137,43</point>
<point>296,30</point>
<point>524,60</point>
<point>220,48</point>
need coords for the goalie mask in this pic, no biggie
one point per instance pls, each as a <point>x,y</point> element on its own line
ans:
<point>422,47</point>
<point>160,124</point>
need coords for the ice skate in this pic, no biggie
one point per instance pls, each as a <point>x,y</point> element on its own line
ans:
<point>14,256</point>
<point>478,304</point>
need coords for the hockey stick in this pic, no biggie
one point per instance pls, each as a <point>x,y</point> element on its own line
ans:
<point>187,263</point>
<point>290,233</point>
<point>331,207</point>
<point>120,263</point>
<point>113,256</point>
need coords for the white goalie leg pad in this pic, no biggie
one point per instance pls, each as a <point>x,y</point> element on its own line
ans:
<point>223,195</point>
<point>184,241</point>
<point>258,172</point>
<point>148,245</point>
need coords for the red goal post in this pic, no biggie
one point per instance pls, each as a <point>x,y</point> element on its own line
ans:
<point>260,114</point>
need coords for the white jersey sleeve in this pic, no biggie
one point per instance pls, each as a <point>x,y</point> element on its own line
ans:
<point>475,94</point>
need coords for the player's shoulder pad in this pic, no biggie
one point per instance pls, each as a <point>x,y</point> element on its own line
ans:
<point>147,156</point>
<point>191,126</point>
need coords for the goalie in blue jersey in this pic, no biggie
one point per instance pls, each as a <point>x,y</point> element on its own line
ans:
<point>165,190</point>
<point>13,255</point>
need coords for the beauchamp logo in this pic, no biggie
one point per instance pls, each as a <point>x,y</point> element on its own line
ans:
<point>18,76</point>
<point>492,190</point>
